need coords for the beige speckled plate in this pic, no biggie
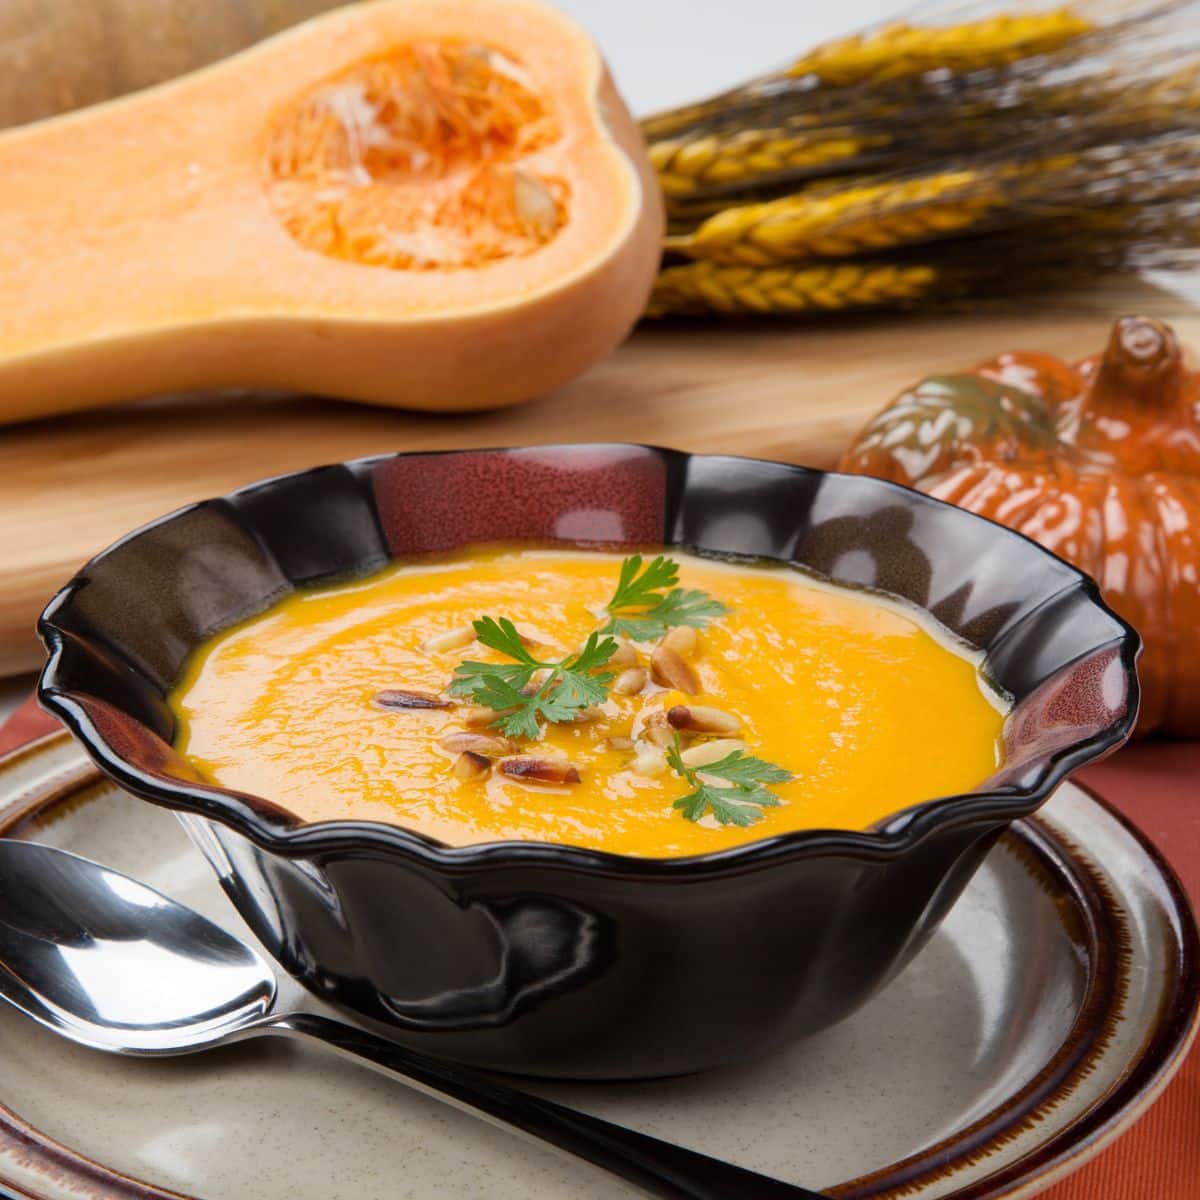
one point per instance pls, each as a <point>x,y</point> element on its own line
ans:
<point>1043,1018</point>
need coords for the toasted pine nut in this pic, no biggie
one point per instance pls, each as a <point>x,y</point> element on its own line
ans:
<point>591,713</point>
<point>471,766</point>
<point>657,730</point>
<point>452,639</point>
<point>711,752</point>
<point>475,715</point>
<point>624,655</point>
<point>700,718</point>
<point>630,681</point>
<point>462,741</point>
<point>649,761</point>
<point>404,698</point>
<point>681,639</point>
<point>670,669</point>
<point>618,743</point>
<point>540,770</point>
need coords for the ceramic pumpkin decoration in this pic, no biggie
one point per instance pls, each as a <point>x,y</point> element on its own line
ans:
<point>1099,462</point>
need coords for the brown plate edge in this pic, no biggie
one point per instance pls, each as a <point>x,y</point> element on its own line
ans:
<point>1097,928</point>
<point>1159,1059</point>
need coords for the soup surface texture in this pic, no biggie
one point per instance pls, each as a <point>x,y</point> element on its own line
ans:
<point>867,704</point>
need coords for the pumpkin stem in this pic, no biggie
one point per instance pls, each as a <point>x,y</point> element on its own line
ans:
<point>1142,366</point>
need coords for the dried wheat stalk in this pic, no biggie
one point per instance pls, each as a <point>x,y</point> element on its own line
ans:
<point>919,162</point>
<point>702,287</point>
<point>898,51</point>
<point>901,50</point>
<point>690,165</point>
<point>854,221</point>
<point>777,148</point>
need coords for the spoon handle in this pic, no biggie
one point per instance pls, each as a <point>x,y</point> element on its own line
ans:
<point>656,1167</point>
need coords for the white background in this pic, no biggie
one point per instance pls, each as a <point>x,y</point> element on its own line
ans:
<point>663,52</point>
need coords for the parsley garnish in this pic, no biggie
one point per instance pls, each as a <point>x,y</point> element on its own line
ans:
<point>655,608</point>
<point>570,685</point>
<point>739,804</point>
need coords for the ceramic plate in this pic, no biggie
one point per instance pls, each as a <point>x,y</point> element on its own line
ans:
<point>1043,1018</point>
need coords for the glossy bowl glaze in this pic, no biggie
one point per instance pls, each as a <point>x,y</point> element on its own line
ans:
<point>546,959</point>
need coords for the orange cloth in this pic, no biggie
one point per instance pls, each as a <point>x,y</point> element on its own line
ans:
<point>1157,785</point>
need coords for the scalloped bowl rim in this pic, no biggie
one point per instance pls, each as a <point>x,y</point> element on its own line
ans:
<point>892,836</point>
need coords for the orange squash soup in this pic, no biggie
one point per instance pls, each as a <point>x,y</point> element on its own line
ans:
<point>466,699</point>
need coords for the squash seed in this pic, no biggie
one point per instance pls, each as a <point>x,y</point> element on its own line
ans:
<point>535,205</point>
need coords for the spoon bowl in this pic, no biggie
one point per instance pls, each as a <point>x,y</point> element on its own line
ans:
<point>77,940</point>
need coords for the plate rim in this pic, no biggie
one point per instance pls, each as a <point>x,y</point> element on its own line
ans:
<point>1156,1060</point>
<point>1159,1060</point>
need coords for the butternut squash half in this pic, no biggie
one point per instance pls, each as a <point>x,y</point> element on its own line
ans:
<point>437,204</point>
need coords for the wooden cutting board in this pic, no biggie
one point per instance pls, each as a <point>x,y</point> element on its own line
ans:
<point>71,486</point>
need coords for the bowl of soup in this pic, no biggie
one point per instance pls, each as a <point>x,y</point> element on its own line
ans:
<point>588,761</point>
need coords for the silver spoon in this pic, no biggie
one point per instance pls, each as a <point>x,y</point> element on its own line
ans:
<point>112,964</point>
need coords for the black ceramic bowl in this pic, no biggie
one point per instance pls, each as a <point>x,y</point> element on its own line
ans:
<point>547,959</point>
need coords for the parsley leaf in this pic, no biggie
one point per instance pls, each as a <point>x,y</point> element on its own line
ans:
<point>643,590</point>
<point>633,589</point>
<point>570,685</point>
<point>739,804</point>
<point>502,635</point>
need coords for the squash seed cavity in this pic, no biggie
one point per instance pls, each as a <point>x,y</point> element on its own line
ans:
<point>425,159</point>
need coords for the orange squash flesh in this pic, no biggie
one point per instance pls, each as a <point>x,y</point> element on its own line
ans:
<point>437,204</point>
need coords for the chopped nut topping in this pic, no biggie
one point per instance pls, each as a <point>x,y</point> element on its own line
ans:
<point>618,743</point>
<point>475,715</point>
<point>670,669</point>
<point>477,743</point>
<point>711,752</point>
<point>682,639</point>
<point>529,641</point>
<point>405,698</point>
<point>650,762</point>
<point>538,694</point>
<point>470,766</point>
<point>700,718</point>
<point>630,681</point>
<point>657,730</point>
<point>624,655</point>
<point>540,770</point>
<point>452,639</point>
